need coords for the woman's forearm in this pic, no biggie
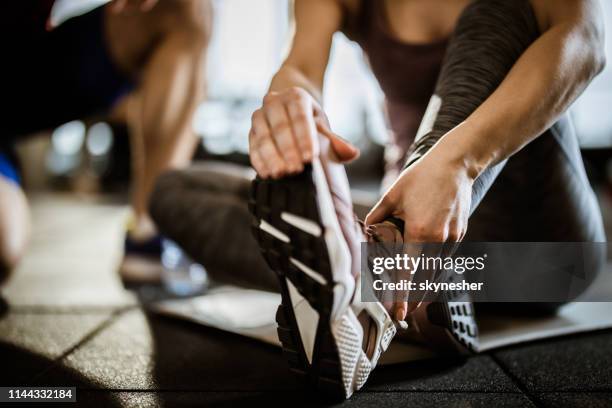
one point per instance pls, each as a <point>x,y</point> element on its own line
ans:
<point>541,86</point>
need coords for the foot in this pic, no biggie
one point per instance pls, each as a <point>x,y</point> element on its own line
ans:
<point>306,230</point>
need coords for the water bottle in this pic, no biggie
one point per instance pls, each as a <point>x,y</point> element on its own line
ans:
<point>181,276</point>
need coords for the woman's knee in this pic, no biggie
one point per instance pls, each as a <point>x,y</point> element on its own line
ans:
<point>14,226</point>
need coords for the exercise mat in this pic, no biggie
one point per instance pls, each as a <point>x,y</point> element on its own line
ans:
<point>251,313</point>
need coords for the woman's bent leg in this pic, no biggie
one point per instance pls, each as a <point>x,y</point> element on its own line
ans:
<point>489,38</point>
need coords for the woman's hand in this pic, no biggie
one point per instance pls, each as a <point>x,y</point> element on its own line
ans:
<point>433,198</point>
<point>284,133</point>
<point>120,6</point>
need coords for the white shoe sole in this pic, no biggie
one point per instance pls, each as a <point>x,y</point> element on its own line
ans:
<point>300,236</point>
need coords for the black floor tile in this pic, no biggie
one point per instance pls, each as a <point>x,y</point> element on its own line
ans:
<point>29,343</point>
<point>442,399</point>
<point>294,400</point>
<point>576,399</point>
<point>479,373</point>
<point>576,363</point>
<point>149,352</point>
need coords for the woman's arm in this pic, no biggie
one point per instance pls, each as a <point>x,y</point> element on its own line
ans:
<point>541,86</point>
<point>315,24</point>
<point>283,128</point>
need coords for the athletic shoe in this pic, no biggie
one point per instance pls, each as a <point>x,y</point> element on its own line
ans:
<point>306,230</point>
<point>141,263</point>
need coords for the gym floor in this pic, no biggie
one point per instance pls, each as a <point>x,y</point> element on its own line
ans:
<point>70,322</point>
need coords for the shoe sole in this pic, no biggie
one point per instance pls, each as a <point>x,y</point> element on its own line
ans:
<point>448,324</point>
<point>296,234</point>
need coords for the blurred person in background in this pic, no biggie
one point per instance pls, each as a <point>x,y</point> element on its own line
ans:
<point>142,58</point>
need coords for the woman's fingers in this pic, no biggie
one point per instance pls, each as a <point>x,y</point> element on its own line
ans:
<point>261,143</point>
<point>400,310</point>
<point>345,151</point>
<point>381,210</point>
<point>147,5</point>
<point>118,6</point>
<point>290,128</point>
<point>455,235</point>
<point>282,135</point>
<point>256,161</point>
<point>301,114</point>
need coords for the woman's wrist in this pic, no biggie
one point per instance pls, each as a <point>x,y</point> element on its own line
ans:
<point>467,148</point>
<point>289,76</point>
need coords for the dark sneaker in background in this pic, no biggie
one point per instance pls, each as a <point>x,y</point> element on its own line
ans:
<point>141,263</point>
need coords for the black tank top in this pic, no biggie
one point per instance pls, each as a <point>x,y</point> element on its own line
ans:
<point>407,73</point>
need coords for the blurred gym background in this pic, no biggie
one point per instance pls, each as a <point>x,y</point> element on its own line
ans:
<point>248,44</point>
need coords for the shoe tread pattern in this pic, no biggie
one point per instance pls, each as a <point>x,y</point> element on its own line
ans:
<point>455,313</point>
<point>297,195</point>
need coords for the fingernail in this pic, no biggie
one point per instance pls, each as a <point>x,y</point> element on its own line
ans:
<point>402,324</point>
<point>297,164</point>
<point>400,313</point>
<point>307,156</point>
